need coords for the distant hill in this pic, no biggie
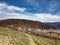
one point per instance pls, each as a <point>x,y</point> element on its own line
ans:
<point>54,24</point>
<point>24,24</point>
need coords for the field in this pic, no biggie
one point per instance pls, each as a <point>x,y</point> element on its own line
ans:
<point>14,37</point>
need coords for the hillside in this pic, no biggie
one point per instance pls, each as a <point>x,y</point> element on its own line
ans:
<point>14,37</point>
<point>24,24</point>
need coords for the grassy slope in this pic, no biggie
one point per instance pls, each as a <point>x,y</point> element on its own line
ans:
<point>13,37</point>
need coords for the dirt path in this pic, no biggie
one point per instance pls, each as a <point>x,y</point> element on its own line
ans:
<point>31,41</point>
<point>4,40</point>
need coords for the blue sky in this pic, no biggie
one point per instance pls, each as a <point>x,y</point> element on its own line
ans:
<point>38,10</point>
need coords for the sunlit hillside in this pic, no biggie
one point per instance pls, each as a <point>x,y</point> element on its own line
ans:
<point>14,37</point>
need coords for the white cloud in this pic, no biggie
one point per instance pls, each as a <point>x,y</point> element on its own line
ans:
<point>16,16</point>
<point>48,17</point>
<point>2,4</point>
<point>5,6</point>
<point>4,14</point>
<point>16,8</point>
<point>35,17</point>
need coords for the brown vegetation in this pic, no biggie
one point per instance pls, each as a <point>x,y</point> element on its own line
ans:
<point>29,27</point>
<point>24,24</point>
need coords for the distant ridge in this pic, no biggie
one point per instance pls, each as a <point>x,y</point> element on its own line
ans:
<point>54,24</point>
<point>24,24</point>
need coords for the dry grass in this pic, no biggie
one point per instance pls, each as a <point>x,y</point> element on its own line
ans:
<point>14,37</point>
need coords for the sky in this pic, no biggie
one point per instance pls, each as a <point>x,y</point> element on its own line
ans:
<point>37,10</point>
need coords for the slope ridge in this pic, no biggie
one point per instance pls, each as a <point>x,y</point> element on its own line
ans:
<point>24,24</point>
